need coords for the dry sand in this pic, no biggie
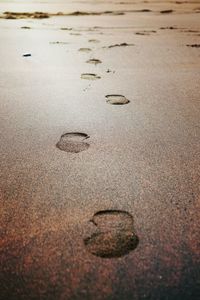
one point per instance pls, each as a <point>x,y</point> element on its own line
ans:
<point>115,216</point>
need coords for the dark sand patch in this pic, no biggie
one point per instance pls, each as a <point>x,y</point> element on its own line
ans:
<point>73,142</point>
<point>90,76</point>
<point>113,235</point>
<point>94,61</point>
<point>117,99</point>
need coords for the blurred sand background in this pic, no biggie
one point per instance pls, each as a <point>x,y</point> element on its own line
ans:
<point>143,156</point>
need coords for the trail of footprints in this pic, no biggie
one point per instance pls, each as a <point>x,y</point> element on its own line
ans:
<point>113,233</point>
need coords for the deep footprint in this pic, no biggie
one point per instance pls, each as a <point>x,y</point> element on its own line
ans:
<point>116,99</point>
<point>73,142</point>
<point>94,61</point>
<point>90,76</point>
<point>114,234</point>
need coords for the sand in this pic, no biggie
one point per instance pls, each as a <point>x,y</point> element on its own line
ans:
<point>140,159</point>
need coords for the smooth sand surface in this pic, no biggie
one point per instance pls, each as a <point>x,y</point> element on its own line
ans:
<point>143,157</point>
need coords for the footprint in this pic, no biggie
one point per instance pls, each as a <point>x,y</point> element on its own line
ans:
<point>90,76</point>
<point>117,99</point>
<point>113,235</point>
<point>119,45</point>
<point>145,32</point>
<point>166,11</point>
<point>75,33</point>
<point>73,142</point>
<point>142,33</point>
<point>94,61</point>
<point>169,27</point>
<point>26,55</point>
<point>85,50</point>
<point>194,45</point>
<point>25,27</point>
<point>58,42</point>
<point>66,28</point>
<point>93,41</point>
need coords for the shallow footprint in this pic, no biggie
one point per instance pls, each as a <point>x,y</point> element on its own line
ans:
<point>166,11</point>
<point>117,99</point>
<point>94,61</point>
<point>58,42</point>
<point>94,41</point>
<point>73,142</point>
<point>75,33</point>
<point>114,234</point>
<point>90,76</point>
<point>85,50</point>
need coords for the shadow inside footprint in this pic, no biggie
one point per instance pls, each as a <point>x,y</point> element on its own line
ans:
<point>73,142</point>
<point>117,99</point>
<point>90,76</point>
<point>114,234</point>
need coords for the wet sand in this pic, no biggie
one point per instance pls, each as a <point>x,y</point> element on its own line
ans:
<point>100,150</point>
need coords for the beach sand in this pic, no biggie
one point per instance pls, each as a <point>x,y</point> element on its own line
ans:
<point>100,150</point>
